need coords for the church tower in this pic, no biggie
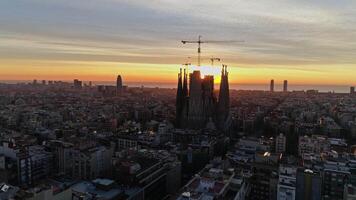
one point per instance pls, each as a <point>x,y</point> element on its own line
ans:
<point>223,106</point>
<point>198,106</point>
<point>179,100</point>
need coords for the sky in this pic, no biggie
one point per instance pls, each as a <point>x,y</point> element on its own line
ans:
<point>303,41</point>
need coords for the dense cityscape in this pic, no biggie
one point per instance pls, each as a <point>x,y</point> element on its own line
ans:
<point>177,100</point>
<point>76,140</point>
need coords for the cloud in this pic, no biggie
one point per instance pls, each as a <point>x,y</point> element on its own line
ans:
<point>280,32</point>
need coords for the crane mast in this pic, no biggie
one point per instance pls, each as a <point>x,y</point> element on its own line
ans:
<point>199,42</point>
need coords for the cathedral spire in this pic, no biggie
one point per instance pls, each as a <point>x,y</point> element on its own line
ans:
<point>179,99</point>
<point>224,99</point>
<point>185,84</point>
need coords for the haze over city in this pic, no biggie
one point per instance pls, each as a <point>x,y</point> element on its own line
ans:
<point>177,100</point>
<point>305,42</point>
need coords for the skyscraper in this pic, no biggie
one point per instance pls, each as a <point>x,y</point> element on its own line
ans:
<point>272,86</point>
<point>285,86</point>
<point>119,83</point>
<point>352,90</point>
<point>194,109</point>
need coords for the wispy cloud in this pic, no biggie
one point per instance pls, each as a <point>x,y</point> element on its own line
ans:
<point>284,33</point>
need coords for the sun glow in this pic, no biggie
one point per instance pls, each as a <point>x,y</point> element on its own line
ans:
<point>207,70</point>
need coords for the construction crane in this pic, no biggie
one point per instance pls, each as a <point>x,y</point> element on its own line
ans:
<point>199,42</point>
<point>213,59</point>
<point>187,66</point>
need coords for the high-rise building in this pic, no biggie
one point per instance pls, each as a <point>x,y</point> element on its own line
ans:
<point>280,143</point>
<point>285,86</point>
<point>336,175</point>
<point>271,87</point>
<point>77,84</point>
<point>350,192</point>
<point>119,83</point>
<point>31,163</point>
<point>286,183</point>
<point>91,163</point>
<point>264,180</point>
<point>308,185</point>
<point>63,155</point>
<point>352,90</point>
<point>194,109</point>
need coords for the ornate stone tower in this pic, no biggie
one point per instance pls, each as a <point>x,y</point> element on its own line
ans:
<point>223,107</point>
<point>198,106</point>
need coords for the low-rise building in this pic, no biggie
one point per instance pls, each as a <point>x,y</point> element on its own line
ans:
<point>210,183</point>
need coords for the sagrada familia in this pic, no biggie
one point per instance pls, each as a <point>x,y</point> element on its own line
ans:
<point>198,107</point>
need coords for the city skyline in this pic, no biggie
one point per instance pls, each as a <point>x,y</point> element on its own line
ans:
<point>177,100</point>
<point>311,44</point>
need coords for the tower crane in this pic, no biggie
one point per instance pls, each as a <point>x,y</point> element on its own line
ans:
<point>199,42</point>
<point>213,59</point>
<point>187,65</point>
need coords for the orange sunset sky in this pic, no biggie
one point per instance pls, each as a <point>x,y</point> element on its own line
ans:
<point>305,42</point>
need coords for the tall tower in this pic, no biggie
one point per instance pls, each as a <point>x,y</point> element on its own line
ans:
<point>285,86</point>
<point>223,107</point>
<point>271,87</point>
<point>208,98</point>
<point>185,85</point>
<point>352,90</point>
<point>185,100</point>
<point>119,83</point>
<point>195,111</point>
<point>197,107</point>
<point>179,102</point>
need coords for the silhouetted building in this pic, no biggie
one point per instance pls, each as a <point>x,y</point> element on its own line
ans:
<point>180,99</point>
<point>285,86</point>
<point>77,84</point>
<point>265,176</point>
<point>223,109</point>
<point>271,87</point>
<point>202,101</point>
<point>352,90</point>
<point>107,90</point>
<point>200,106</point>
<point>157,172</point>
<point>91,163</point>
<point>119,83</point>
